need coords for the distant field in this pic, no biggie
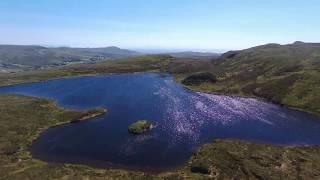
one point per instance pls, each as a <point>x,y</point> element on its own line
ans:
<point>19,58</point>
<point>157,63</point>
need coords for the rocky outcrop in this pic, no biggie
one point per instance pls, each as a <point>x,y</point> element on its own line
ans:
<point>198,78</point>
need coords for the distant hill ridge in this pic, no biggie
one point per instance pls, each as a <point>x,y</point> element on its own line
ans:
<point>30,56</point>
<point>192,54</point>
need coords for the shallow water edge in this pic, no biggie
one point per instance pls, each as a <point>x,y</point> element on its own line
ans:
<point>227,96</point>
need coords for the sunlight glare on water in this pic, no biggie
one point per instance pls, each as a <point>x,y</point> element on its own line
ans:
<point>183,121</point>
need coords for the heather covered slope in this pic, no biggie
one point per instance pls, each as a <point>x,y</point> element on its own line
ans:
<point>229,159</point>
<point>285,74</point>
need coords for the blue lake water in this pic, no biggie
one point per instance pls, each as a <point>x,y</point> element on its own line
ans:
<point>184,120</point>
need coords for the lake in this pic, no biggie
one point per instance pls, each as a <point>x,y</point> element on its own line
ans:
<point>184,120</point>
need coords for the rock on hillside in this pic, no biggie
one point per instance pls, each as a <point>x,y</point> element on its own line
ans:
<point>199,78</point>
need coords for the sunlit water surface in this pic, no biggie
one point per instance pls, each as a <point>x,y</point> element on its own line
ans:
<point>184,120</point>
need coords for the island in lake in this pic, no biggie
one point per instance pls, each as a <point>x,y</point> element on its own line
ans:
<point>140,127</point>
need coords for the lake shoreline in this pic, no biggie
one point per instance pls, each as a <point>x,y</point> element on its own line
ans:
<point>184,169</point>
<point>247,96</point>
<point>178,81</point>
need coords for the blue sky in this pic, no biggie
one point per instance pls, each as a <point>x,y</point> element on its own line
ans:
<point>161,24</point>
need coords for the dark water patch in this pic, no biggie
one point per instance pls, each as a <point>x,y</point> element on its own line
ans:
<point>184,121</point>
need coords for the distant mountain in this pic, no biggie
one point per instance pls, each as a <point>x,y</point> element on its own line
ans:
<point>30,57</point>
<point>195,55</point>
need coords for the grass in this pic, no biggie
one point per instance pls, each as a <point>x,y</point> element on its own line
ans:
<point>157,63</point>
<point>227,159</point>
<point>284,74</point>
<point>22,120</point>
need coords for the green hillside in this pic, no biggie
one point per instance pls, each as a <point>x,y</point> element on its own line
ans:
<point>285,74</point>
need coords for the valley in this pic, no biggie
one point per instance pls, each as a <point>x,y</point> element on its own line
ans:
<point>284,74</point>
<point>15,58</point>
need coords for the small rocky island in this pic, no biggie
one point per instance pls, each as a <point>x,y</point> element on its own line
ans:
<point>140,127</point>
<point>198,78</point>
